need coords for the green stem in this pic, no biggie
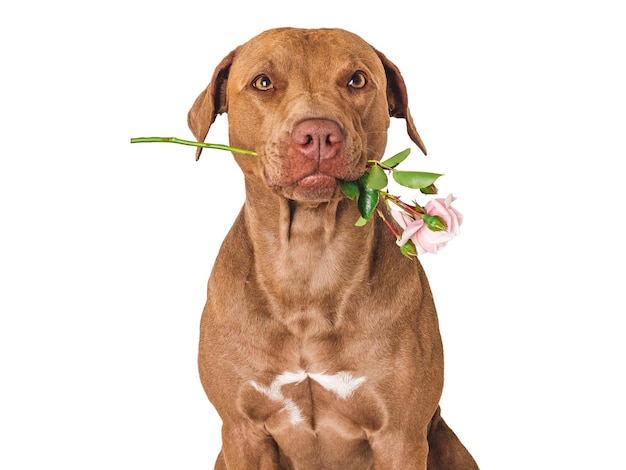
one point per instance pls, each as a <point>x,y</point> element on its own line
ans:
<point>380,164</point>
<point>175,140</point>
<point>415,210</point>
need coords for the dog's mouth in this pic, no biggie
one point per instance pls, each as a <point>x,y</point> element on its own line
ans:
<point>317,180</point>
<point>314,187</point>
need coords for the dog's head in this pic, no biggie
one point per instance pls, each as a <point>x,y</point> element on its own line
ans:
<point>314,104</point>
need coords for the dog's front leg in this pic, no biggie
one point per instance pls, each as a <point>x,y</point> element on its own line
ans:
<point>393,451</point>
<point>244,448</point>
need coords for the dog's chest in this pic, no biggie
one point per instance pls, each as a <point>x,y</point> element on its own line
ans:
<point>303,399</point>
<point>305,410</point>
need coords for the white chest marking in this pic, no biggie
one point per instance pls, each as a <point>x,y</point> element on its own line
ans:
<point>343,384</point>
<point>274,392</point>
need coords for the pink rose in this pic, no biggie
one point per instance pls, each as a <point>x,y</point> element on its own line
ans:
<point>425,239</point>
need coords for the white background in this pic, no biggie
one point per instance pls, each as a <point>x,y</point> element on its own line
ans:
<point>106,247</point>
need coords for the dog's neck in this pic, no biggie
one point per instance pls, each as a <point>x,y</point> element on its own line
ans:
<point>307,253</point>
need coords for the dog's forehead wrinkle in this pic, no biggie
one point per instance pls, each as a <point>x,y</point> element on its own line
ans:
<point>292,51</point>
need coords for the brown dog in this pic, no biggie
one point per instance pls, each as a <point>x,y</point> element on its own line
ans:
<point>319,345</point>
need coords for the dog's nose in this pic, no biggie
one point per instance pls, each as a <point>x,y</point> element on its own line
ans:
<point>318,139</point>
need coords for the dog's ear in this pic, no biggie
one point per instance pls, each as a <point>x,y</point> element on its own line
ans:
<point>211,102</point>
<point>398,99</point>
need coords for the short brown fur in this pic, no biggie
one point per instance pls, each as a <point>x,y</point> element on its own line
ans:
<point>297,287</point>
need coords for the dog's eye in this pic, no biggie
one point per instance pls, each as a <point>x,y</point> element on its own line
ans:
<point>358,80</point>
<point>263,83</point>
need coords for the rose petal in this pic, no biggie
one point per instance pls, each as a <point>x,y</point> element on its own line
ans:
<point>410,225</point>
<point>409,231</point>
<point>400,217</point>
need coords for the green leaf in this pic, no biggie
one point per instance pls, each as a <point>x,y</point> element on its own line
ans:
<point>377,178</point>
<point>361,222</point>
<point>415,179</point>
<point>349,188</point>
<point>368,200</point>
<point>397,158</point>
<point>430,189</point>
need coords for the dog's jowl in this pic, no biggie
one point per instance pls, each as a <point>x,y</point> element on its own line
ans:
<point>319,345</point>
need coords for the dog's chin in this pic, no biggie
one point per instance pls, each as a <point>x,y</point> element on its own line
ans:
<point>313,188</point>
